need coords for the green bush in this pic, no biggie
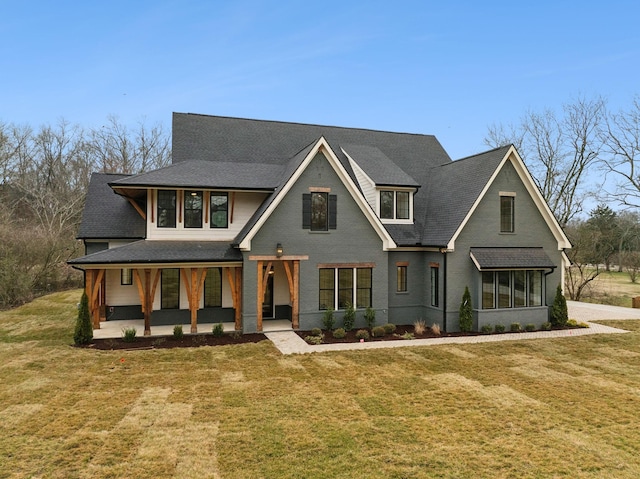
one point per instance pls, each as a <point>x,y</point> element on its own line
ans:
<point>546,326</point>
<point>328,319</point>
<point>339,333</point>
<point>83,333</point>
<point>572,323</point>
<point>129,334</point>
<point>530,327</point>
<point>466,312</point>
<point>377,331</point>
<point>515,327</point>
<point>218,330</point>
<point>559,311</point>
<point>177,332</point>
<point>316,332</point>
<point>582,324</point>
<point>407,335</point>
<point>499,328</point>
<point>362,334</point>
<point>486,328</point>
<point>314,339</point>
<point>349,317</point>
<point>389,328</point>
<point>370,317</point>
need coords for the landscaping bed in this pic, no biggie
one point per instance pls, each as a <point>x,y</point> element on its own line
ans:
<point>168,342</point>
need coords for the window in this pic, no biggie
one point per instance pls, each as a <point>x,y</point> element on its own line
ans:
<point>401,279</point>
<point>395,205</point>
<point>219,210</point>
<point>319,211</point>
<point>507,214</point>
<point>351,282</point>
<point>126,278</point>
<point>213,288</point>
<point>193,209</point>
<point>435,285</point>
<point>170,288</point>
<point>166,209</point>
<point>512,289</point>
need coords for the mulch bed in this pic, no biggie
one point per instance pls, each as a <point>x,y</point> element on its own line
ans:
<point>168,342</point>
<point>396,336</point>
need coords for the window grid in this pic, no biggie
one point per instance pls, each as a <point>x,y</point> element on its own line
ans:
<point>339,286</point>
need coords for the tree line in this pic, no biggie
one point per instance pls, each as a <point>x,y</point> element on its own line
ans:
<point>44,176</point>
<point>585,152</point>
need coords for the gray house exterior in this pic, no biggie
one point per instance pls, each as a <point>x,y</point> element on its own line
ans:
<point>260,220</point>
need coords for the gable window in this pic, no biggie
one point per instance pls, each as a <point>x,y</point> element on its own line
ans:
<point>395,205</point>
<point>352,282</point>
<point>435,285</point>
<point>166,208</point>
<point>213,288</point>
<point>507,216</point>
<point>193,209</point>
<point>126,278</point>
<point>512,289</point>
<point>170,288</point>
<point>319,211</point>
<point>219,210</point>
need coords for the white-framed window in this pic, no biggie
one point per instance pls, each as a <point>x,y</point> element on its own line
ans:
<point>395,205</point>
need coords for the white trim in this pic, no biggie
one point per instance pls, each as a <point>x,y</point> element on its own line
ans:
<point>323,147</point>
<point>532,189</point>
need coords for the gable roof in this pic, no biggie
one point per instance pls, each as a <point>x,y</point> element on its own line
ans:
<point>107,215</point>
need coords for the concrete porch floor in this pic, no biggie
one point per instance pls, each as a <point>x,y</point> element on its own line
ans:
<point>113,329</point>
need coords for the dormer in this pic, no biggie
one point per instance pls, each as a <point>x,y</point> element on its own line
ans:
<point>387,188</point>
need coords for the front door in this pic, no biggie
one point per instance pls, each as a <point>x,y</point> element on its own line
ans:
<point>267,303</point>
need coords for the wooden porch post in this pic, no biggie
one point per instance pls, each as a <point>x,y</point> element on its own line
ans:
<point>260,297</point>
<point>93,285</point>
<point>194,291</point>
<point>146,292</point>
<point>294,284</point>
<point>235,284</point>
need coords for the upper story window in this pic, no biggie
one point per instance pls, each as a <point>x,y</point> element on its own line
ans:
<point>166,208</point>
<point>193,209</point>
<point>395,205</point>
<point>319,211</point>
<point>219,210</point>
<point>507,212</point>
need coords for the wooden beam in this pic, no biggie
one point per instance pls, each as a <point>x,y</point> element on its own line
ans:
<point>238,303</point>
<point>148,302</point>
<point>295,307</point>
<point>193,305</point>
<point>260,297</point>
<point>138,281</point>
<point>137,207</point>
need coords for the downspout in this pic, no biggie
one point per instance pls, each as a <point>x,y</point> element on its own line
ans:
<point>444,288</point>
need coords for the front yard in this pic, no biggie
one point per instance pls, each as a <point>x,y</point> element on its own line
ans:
<point>538,408</point>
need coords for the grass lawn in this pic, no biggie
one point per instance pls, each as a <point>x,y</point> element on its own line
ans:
<point>536,408</point>
<point>612,287</point>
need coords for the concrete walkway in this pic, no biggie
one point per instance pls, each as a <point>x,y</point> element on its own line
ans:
<point>288,342</point>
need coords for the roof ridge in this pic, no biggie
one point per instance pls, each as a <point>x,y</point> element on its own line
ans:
<point>507,146</point>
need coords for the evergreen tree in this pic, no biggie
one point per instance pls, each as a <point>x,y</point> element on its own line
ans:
<point>466,312</point>
<point>84,330</point>
<point>559,311</point>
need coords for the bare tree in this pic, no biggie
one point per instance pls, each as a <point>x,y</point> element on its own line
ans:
<point>559,151</point>
<point>621,135</point>
<point>582,270</point>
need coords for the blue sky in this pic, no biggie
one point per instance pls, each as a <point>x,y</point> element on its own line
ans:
<point>445,68</point>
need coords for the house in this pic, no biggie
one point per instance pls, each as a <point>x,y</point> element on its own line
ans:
<point>256,220</point>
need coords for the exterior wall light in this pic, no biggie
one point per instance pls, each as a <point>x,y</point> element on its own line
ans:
<point>279,250</point>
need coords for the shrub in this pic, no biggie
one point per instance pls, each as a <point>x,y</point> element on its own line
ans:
<point>435,329</point>
<point>377,331</point>
<point>129,334</point>
<point>83,333</point>
<point>370,317</point>
<point>177,332</point>
<point>559,312</point>
<point>530,327</point>
<point>349,317</point>
<point>515,327</point>
<point>407,335</point>
<point>419,327</point>
<point>466,312</point>
<point>362,334</point>
<point>499,328</point>
<point>572,323</point>
<point>486,328</point>
<point>582,324</point>
<point>339,333</point>
<point>218,330</point>
<point>328,319</point>
<point>546,326</point>
<point>389,328</point>
<point>316,332</point>
<point>314,339</point>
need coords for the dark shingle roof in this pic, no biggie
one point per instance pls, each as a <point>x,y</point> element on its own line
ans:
<point>207,174</point>
<point>511,258</point>
<point>107,215</point>
<point>163,252</point>
<point>378,166</point>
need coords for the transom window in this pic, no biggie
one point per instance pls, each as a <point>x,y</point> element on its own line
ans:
<point>512,289</point>
<point>395,205</point>
<point>351,283</point>
<point>507,214</point>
